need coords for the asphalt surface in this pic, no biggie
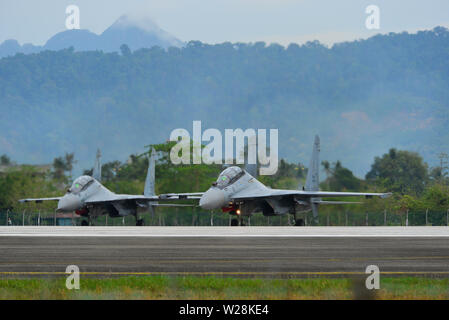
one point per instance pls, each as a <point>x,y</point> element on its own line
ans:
<point>224,251</point>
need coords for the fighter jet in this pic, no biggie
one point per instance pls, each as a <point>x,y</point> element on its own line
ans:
<point>240,194</point>
<point>88,198</point>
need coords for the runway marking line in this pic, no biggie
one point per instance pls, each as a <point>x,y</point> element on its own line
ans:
<point>225,236</point>
<point>221,261</point>
<point>229,273</point>
<point>135,262</point>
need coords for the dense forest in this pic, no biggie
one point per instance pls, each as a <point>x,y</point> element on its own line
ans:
<point>362,97</point>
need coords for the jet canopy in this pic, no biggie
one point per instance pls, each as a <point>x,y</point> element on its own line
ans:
<point>229,176</point>
<point>81,184</point>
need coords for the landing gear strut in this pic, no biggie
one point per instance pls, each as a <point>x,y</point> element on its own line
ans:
<point>237,222</point>
<point>87,222</point>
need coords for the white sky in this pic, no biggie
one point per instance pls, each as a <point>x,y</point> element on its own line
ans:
<point>215,21</point>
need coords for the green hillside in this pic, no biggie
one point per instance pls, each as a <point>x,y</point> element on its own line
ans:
<point>362,97</point>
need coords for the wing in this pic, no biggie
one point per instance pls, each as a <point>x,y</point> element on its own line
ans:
<point>138,199</point>
<point>181,196</point>
<point>318,201</point>
<point>102,198</point>
<point>170,205</point>
<point>300,194</point>
<point>330,194</point>
<point>39,200</point>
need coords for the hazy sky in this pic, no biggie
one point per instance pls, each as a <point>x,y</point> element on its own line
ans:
<point>215,21</point>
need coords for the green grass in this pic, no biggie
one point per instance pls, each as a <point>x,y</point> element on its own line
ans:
<point>160,287</point>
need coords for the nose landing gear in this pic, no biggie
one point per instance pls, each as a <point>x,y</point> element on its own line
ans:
<point>238,221</point>
<point>88,222</point>
<point>298,221</point>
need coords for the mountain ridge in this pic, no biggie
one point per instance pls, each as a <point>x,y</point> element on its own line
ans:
<point>136,34</point>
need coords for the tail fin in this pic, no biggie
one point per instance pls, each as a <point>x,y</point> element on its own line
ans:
<point>251,164</point>
<point>251,169</point>
<point>96,173</point>
<point>313,179</point>
<point>150,180</point>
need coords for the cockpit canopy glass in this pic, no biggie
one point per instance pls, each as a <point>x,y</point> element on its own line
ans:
<point>229,176</point>
<point>81,184</point>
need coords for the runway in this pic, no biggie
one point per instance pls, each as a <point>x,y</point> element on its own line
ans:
<point>284,232</point>
<point>224,251</point>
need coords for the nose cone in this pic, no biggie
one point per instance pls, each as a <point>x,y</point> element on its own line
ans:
<point>69,203</point>
<point>214,198</point>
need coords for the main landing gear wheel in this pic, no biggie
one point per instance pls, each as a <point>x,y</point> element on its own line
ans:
<point>84,223</point>
<point>234,222</point>
<point>140,222</point>
<point>299,223</point>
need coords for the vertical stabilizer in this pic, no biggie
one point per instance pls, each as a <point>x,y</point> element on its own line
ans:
<point>96,173</point>
<point>150,180</point>
<point>251,156</point>
<point>251,169</point>
<point>313,179</point>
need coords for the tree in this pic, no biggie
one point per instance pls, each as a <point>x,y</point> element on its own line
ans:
<point>109,170</point>
<point>125,50</point>
<point>327,169</point>
<point>61,165</point>
<point>59,169</point>
<point>5,160</point>
<point>399,171</point>
<point>436,174</point>
<point>340,178</point>
<point>69,160</point>
<point>436,197</point>
<point>439,174</point>
<point>26,182</point>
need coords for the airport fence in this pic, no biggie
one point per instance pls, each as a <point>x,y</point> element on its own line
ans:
<point>197,217</point>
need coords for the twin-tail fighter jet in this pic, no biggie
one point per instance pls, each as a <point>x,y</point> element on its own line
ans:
<point>88,198</point>
<point>240,194</point>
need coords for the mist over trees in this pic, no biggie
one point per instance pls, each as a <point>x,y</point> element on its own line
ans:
<point>390,89</point>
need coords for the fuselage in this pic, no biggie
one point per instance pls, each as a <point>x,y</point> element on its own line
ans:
<point>235,182</point>
<point>83,188</point>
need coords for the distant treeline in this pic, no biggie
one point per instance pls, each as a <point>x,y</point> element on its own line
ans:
<point>416,187</point>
